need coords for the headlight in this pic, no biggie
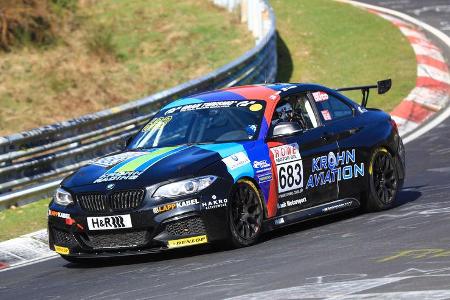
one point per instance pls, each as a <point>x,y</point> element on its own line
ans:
<point>63,197</point>
<point>185,187</point>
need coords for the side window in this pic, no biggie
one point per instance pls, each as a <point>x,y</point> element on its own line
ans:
<point>295,108</point>
<point>330,107</point>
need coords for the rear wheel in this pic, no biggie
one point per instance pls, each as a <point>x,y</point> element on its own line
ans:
<point>245,214</point>
<point>383,181</point>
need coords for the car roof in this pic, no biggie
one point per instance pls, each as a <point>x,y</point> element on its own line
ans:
<point>265,92</point>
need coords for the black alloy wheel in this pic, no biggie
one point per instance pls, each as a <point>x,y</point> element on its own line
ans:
<point>383,181</point>
<point>245,214</point>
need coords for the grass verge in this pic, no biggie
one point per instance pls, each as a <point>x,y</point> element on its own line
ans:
<point>336,45</point>
<point>114,51</point>
<point>22,220</point>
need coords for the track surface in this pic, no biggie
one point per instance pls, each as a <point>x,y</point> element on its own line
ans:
<point>403,252</point>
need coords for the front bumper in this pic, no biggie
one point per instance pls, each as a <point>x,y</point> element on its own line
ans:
<point>155,227</point>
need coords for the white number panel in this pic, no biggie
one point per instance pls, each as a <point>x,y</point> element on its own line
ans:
<point>290,176</point>
<point>289,167</point>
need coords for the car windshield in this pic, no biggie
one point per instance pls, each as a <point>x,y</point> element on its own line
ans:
<point>206,122</point>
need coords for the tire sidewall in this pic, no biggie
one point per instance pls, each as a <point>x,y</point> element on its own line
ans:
<point>236,240</point>
<point>373,203</point>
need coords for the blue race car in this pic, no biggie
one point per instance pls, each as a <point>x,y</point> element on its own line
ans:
<point>228,165</point>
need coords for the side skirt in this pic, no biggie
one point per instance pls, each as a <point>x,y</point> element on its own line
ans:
<point>311,213</point>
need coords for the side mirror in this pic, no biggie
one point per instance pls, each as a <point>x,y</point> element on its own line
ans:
<point>283,129</point>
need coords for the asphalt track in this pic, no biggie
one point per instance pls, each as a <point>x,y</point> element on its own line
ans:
<point>403,253</point>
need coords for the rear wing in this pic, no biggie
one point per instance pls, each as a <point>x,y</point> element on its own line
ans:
<point>383,86</point>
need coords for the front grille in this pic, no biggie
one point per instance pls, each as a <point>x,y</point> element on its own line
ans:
<point>110,240</point>
<point>189,226</point>
<point>92,202</point>
<point>114,202</point>
<point>126,199</point>
<point>63,238</point>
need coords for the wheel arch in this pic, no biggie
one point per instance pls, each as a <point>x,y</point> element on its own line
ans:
<point>258,188</point>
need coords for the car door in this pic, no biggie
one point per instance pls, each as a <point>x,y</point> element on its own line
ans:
<point>340,116</point>
<point>300,161</point>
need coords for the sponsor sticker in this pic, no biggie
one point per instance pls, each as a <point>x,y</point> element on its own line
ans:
<point>157,123</point>
<point>264,177</point>
<point>292,203</point>
<point>131,169</point>
<point>279,221</point>
<point>333,167</point>
<point>113,160</point>
<point>256,107</point>
<point>171,206</point>
<point>126,175</point>
<point>212,105</point>
<point>62,250</point>
<point>215,203</point>
<point>109,222</point>
<point>236,160</point>
<point>337,206</point>
<point>202,239</point>
<point>58,214</point>
<point>289,167</point>
<point>320,96</point>
<point>259,164</point>
<point>326,115</point>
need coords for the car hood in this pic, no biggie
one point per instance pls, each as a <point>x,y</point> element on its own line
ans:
<point>140,168</point>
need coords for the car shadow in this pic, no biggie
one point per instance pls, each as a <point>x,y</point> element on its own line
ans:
<point>166,255</point>
<point>406,195</point>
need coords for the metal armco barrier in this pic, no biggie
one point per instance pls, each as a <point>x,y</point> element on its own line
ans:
<point>33,162</point>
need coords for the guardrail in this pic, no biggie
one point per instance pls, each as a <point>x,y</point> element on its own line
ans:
<point>32,163</point>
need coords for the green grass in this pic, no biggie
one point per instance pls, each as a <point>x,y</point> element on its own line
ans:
<point>336,45</point>
<point>23,220</point>
<point>112,51</point>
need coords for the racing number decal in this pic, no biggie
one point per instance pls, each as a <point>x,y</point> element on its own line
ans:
<point>290,176</point>
<point>289,167</point>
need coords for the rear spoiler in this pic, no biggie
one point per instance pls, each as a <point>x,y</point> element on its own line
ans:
<point>382,86</point>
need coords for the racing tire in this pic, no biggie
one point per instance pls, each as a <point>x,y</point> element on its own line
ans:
<point>383,181</point>
<point>245,214</point>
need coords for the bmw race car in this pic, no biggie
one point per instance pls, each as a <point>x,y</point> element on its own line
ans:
<point>229,165</point>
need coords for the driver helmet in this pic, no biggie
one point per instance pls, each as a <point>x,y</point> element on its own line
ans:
<point>284,112</point>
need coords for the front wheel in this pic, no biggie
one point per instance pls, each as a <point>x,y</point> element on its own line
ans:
<point>383,185</point>
<point>245,214</point>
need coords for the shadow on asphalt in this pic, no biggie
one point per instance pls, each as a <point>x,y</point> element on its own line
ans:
<point>285,64</point>
<point>407,195</point>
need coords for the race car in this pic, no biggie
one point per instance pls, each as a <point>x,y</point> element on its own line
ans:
<point>226,166</point>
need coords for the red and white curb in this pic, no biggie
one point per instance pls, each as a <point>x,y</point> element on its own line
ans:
<point>432,91</point>
<point>25,250</point>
